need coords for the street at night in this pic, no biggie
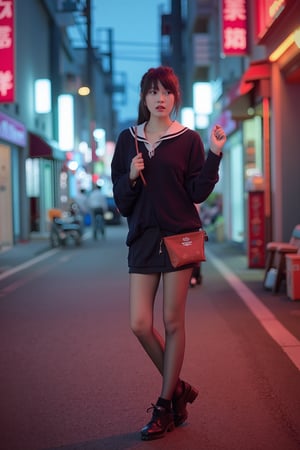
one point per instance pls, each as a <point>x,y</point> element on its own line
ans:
<point>179,116</point>
<point>73,376</point>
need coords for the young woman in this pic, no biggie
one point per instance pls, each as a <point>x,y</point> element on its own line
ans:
<point>171,160</point>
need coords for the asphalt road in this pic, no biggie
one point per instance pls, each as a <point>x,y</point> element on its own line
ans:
<point>73,377</point>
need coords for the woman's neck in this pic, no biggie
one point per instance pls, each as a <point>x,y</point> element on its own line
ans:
<point>154,126</point>
<point>155,129</point>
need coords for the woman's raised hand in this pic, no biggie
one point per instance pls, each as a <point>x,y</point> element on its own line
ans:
<point>217,139</point>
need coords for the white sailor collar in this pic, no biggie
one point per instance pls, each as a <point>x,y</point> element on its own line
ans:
<point>174,130</point>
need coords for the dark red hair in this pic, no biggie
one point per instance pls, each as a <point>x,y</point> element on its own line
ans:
<point>166,76</point>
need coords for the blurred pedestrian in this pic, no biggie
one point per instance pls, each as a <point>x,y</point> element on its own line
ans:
<point>98,206</point>
<point>83,208</point>
<point>81,200</point>
<point>171,160</point>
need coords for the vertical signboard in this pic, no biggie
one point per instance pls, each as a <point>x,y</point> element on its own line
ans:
<point>234,27</point>
<point>256,233</point>
<point>7,61</point>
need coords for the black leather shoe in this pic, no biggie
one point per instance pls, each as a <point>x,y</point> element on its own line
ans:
<point>179,401</point>
<point>161,422</point>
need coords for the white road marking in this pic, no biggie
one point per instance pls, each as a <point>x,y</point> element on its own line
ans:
<point>33,261</point>
<point>29,263</point>
<point>287,341</point>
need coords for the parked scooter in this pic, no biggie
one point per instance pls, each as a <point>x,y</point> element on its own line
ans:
<point>65,229</point>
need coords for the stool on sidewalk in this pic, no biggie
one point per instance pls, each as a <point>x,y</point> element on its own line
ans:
<point>276,261</point>
<point>293,276</point>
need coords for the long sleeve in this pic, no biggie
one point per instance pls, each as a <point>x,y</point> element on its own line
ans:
<point>125,196</point>
<point>178,175</point>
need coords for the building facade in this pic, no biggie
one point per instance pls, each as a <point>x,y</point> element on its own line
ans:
<point>249,54</point>
<point>39,44</point>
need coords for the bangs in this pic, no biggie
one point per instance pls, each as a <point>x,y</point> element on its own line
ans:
<point>163,76</point>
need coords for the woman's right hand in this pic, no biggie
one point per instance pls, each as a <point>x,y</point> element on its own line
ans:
<point>137,164</point>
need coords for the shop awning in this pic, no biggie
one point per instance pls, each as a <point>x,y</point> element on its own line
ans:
<point>258,70</point>
<point>238,104</point>
<point>40,147</point>
<point>255,81</point>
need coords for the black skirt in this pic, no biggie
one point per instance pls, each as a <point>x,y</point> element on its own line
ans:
<point>147,254</point>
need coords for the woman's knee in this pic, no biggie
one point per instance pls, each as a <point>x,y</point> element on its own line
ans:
<point>140,328</point>
<point>173,325</point>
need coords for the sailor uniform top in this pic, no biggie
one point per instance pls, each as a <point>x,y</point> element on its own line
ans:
<point>178,176</point>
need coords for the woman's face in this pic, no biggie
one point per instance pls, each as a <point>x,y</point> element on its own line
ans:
<point>159,101</point>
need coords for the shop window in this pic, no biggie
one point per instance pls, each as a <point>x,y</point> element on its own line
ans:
<point>32,177</point>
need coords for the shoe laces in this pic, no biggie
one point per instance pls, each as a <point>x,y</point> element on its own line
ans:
<point>153,408</point>
<point>157,411</point>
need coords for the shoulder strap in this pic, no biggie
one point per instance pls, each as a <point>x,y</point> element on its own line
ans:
<point>137,152</point>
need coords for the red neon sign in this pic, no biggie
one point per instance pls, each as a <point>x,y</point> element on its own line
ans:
<point>234,24</point>
<point>7,61</point>
<point>267,11</point>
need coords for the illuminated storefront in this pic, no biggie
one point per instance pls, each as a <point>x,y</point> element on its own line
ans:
<point>13,136</point>
<point>265,104</point>
<point>277,28</point>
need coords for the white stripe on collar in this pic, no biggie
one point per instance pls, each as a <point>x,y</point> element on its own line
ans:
<point>174,130</point>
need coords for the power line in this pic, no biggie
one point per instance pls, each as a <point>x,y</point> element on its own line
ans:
<point>136,44</point>
<point>136,58</point>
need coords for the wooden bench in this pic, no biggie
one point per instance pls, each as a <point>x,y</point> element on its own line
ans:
<point>276,261</point>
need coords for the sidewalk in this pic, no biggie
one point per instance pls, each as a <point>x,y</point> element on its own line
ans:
<point>278,306</point>
<point>11,257</point>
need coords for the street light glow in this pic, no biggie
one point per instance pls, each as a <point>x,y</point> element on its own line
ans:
<point>42,98</point>
<point>84,90</point>
<point>66,122</point>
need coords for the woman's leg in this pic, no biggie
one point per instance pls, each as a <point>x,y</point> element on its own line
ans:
<point>175,288</point>
<point>167,357</point>
<point>143,289</point>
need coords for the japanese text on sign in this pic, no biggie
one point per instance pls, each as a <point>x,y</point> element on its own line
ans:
<point>6,51</point>
<point>234,27</point>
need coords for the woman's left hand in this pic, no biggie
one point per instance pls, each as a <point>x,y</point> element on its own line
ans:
<point>217,139</point>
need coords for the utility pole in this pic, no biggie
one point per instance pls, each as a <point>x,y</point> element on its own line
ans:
<point>90,79</point>
<point>176,41</point>
<point>111,80</point>
<point>89,58</point>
